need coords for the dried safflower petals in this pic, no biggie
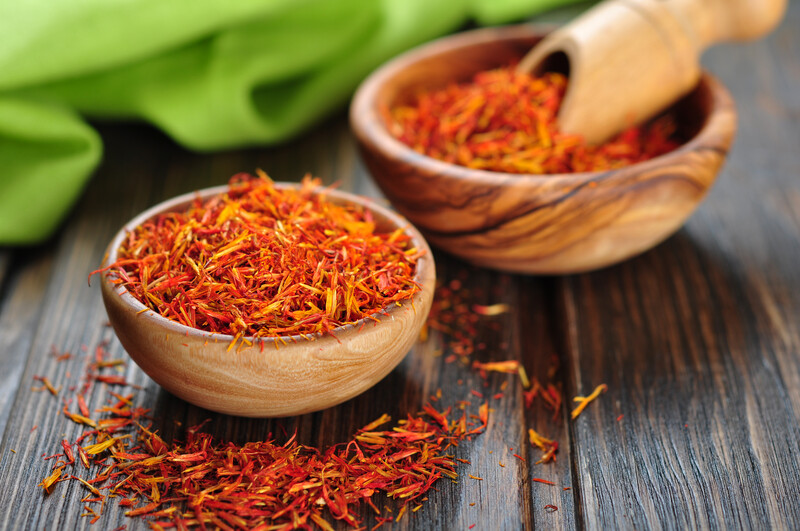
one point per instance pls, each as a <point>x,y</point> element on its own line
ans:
<point>505,121</point>
<point>265,261</point>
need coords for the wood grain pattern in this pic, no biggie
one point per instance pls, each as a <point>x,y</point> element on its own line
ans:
<point>697,339</point>
<point>20,312</point>
<point>532,223</point>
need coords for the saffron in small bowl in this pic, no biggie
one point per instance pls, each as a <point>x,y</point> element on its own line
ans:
<point>267,299</point>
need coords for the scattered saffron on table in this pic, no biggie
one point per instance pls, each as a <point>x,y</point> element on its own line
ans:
<point>509,367</point>
<point>551,508</point>
<point>60,356</point>
<point>540,480</point>
<point>491,310</point>
<point>548,446</point>
<point>584,401</point>
<point>265,261</point>
<point>523,377</point>
<point>46,384</point>
<point>550,394</point>
<point>505,121</point>
<point>451,314</point>
<point>204,483</point>
<point>48,482</point>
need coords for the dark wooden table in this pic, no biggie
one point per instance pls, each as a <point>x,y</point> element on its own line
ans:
<point>698,341</point>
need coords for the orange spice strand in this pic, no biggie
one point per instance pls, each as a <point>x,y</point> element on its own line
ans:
<point>264,261</point>
<point>584,401</point>
<point>548,446</point>
<point>505,121</point>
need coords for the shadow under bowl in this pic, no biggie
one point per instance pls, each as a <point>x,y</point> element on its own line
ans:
<point>271,377</point>
<point>525,223</point>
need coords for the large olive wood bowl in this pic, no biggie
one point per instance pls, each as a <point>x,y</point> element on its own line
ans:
<point>272,377</point>
<point>539,224</point>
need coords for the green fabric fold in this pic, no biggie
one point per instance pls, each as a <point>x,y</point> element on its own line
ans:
<point>211,76</point>
<point>46,153</point>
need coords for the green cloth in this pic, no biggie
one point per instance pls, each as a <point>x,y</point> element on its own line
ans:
<point>210,74</point>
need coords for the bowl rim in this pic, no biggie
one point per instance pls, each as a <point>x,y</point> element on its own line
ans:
<point>424,263</point>
<point>370,129</point>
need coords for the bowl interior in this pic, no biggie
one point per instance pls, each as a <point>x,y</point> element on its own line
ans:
<point>458,58</point>
<point>385,221</point>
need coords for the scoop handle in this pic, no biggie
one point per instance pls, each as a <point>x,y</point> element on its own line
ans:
<point>627,60</point>
<point>716,21</point>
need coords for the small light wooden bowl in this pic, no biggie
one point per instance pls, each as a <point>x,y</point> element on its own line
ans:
<point>538,224</point>
<point>271,378</point>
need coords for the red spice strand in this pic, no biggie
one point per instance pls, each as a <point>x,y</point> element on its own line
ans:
<point>505,121</point>
<point>264,262</point>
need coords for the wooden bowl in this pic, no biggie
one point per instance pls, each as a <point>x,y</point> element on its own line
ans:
<point>542,224</point>
<point>273,377</point>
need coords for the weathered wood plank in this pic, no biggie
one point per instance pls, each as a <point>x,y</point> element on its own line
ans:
<point>5,260</point>
<point>70,316</point>
<point>543,354</point>
<point>20,309</point>
<point>699,341</point>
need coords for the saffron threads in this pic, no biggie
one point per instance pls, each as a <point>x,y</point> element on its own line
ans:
<point>452,314</point>
<point>548,446</point>
<point>505,121</point>
<point>584,401</point>
<point>540,480</point>
<point>263,261</point>
<point>509,366</point>
<point>46,384</point>
<point>551,508</point>
<point>48,482</point>
<point>492,309</point>
<point>200,482</point>
<point>550,395</point>
<point>455,315</point>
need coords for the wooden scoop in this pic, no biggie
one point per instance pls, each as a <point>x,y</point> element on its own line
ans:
<point>627,60</point>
